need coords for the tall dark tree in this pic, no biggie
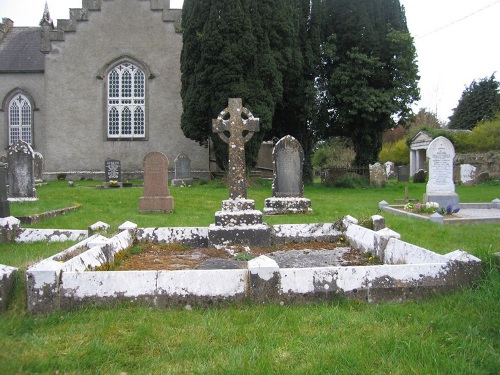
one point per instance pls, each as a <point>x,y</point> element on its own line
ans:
<point>227,53</point>
<point>295,112</point>
<point>368,76</point>
<point>480,101</point>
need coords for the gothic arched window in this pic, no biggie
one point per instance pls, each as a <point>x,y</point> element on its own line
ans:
<point>126,103</point>
<point>20,119</point>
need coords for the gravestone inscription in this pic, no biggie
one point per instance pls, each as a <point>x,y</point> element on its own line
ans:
<point>113,170</point>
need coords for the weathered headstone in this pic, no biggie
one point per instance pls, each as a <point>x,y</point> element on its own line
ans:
<point>378,176</point>
<point>420,176</point>
<point>39,166</point>
<point>288,188</point>
<point>113,170</point>
<point>182,171</point>
<point>390,170</point>
<point>156,196</point>
<point>4,202</point>
<point>403,173</point>
<point>21,177</point>
<point>238,222</point>
<point>440,187</point>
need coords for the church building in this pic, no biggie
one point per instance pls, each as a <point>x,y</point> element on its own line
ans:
<point>104,84</point>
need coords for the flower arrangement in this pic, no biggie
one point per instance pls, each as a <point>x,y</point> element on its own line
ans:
<point>113,183</point>
<point>449,210</point>
<point>430,208</point>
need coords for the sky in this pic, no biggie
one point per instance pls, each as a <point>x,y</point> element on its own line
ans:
<point>456,42</point>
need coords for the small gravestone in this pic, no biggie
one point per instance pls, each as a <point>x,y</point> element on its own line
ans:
<point>378,176</point>
<point>288,188</point>
<point>21,176</point>
<point>238,223</point>
<point>182,171</point>
<point>390,170</point>
<point>113,170</point>
<point>156,196</point>
<point>39,166</point>
<point>420,176</point>
<point>440,187</point>
<point>4,202</point>
<point>403,173</point>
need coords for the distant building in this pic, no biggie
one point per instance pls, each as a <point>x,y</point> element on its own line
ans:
<point>104,84</point>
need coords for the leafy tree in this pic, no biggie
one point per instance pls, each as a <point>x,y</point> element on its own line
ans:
<point>368,76</point>
<point>480,101</point>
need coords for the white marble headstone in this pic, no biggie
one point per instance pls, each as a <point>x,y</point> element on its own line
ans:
<point>440,187</point>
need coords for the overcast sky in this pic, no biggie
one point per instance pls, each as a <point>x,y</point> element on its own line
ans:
<point>456,41</point>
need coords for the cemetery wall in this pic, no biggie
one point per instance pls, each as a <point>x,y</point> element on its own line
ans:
<point>483,163</point>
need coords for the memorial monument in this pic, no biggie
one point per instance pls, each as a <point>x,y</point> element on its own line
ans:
<point>238,223</point>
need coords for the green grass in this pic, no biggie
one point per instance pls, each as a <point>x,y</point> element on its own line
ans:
<point>457,333</point>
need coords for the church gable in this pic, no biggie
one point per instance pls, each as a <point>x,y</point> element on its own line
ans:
<point>82,14</point>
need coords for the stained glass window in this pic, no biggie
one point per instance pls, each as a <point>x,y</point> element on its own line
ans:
<point>126,102</point>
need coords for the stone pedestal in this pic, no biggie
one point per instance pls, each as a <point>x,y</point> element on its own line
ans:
<point>156,204</point>
<point>282,206</point>
<point>444,200</point>
<point>238,223</point>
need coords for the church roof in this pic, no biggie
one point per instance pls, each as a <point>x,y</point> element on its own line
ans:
<point>20,51</point>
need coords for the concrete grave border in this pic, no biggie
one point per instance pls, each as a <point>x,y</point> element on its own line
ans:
<point>68,280</point>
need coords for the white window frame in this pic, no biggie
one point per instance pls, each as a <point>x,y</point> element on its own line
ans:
<point>20,119</point>
<point>126,102</point>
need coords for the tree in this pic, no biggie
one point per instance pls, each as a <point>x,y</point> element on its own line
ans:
<point>229,51</point>
<point>480,101</point>
<point>368,76</point>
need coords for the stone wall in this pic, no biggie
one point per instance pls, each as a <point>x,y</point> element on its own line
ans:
<point>476,168</point>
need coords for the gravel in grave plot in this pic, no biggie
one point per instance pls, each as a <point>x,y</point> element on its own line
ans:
<point>312,254</point>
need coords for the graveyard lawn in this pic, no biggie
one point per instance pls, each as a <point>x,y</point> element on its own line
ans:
<point>152,256</point>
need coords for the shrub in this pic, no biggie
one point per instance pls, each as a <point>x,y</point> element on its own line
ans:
<point>397,152</point>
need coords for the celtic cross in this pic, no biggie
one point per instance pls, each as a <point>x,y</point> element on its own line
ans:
<point>240,124</point>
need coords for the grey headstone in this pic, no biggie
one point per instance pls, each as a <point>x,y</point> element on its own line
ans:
<point>420,176</point>
<point>21,175</point>
<point>288,158</point>
<point>182,170</point>
<point>403,173</point>
<point>182,166</point>
<point>113,170</point>
<point>4,203</point>
<point>378,176</point>
<point>390,170</point>
<point>39,166</point>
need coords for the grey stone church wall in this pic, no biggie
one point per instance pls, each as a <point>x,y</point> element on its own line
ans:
<point>72,118</point>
